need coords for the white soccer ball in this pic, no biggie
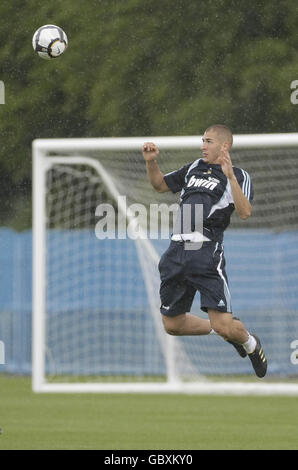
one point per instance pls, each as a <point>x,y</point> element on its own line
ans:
<point>49,41</point>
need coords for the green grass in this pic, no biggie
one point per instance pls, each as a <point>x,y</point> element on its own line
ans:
<point>95,421</point>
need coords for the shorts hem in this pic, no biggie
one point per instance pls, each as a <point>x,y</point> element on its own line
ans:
<point>172,313</point>
<point>218,309</point>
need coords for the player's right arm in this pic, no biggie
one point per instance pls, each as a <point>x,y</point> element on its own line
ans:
<point>156,177</point>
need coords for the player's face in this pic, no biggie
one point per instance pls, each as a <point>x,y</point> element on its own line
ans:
<point>211,147</point>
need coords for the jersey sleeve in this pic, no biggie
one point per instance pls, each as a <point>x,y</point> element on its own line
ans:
<point>176,179</point>
<point>245,183</point>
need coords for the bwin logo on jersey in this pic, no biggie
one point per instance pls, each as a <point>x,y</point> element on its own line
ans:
<point>197,182</point>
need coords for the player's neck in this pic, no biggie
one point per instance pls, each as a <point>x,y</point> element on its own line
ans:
<point>215,161</point>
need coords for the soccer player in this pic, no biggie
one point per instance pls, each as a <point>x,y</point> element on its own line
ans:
<point>213,183</point>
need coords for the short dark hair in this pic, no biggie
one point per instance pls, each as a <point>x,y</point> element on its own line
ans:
<point>223,130</point>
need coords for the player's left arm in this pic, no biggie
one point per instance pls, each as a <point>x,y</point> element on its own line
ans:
<point>241,202</point>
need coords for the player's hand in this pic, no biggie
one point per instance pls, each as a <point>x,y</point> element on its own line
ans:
<point>226,162</point>
<point>150,151</point>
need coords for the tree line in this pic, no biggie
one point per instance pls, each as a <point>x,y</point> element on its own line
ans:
<point>136,67</point>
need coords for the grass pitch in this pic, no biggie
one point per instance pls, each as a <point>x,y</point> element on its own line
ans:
<point>161,422</point>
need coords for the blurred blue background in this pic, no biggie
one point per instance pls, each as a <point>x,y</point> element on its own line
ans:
<point>261,270</point>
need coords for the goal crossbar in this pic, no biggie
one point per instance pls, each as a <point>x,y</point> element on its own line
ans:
<point>171,142</point>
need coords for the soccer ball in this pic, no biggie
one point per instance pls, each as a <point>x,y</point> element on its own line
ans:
<point>49,41</point>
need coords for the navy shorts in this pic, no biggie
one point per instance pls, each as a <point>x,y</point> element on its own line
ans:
<point>184,272</point>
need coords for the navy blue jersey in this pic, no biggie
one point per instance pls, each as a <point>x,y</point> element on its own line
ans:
<point>206,184</point>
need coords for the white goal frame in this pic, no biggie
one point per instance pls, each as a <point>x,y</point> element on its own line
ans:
<point>42,162</point>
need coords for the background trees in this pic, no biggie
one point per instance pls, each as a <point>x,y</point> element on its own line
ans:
<point>168,67</point>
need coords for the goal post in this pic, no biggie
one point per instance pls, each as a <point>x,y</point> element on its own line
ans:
<point>96,321</point>
<point>42,164</point>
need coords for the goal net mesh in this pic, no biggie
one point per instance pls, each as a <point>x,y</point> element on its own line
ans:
<point>102,292</point>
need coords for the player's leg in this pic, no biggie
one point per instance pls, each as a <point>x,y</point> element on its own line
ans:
<point>186,324</point>
<point>233,330</point>
<point>216,297</point>
<point>226,326</point>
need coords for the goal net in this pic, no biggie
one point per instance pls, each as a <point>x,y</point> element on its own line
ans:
<point>99,230</point>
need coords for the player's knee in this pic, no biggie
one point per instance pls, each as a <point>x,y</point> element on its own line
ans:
<point>222,330</point>
<point>171,326</point>
<point>171,329</point>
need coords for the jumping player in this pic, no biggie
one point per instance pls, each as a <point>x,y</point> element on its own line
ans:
<point>213,183</point>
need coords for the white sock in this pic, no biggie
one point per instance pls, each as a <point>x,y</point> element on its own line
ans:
<point>250,344</point>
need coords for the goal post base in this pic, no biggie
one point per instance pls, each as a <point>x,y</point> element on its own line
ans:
<point>203,388</point>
